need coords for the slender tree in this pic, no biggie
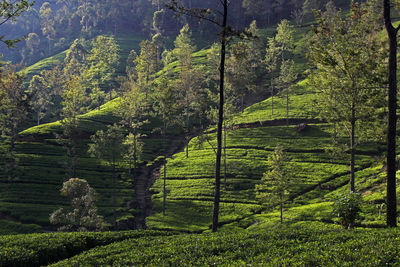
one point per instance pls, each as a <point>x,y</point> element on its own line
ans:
<point>275,183</point>
<point>47,23</point>
<point>147,64</point>
<point>132,109</point>
<point>392,33</point>
<point>224,34</point>
<point>99,74</point>
<point>108,145</point>
<point>165,105</point>
<point>74,97</point>
<point>190,78</point>
<point>349,71</point>
<point>41,101</point>
<point>14,108</point>
<point>239,71</point>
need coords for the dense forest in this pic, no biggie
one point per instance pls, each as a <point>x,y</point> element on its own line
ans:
<point>142,128</point>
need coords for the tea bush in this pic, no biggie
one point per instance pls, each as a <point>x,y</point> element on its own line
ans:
<point>298,246</point>
<point>42,249</point>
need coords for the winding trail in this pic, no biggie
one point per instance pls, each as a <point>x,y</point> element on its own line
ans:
<point>145,180</point>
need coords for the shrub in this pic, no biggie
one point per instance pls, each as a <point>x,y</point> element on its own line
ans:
<point>83,214</point>
<point>347,209</point>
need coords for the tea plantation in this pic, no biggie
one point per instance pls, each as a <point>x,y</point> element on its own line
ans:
<point>303,244</point>
<point>250,230</point>
<point>318,176</point>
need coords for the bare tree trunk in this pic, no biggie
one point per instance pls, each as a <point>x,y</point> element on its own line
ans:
<point>134,156</point>
<point>12,161</point>
<point>187,126</point>
<point>165,176</point>
<point>352,151</point>
<point>38,118</point>
<point>281,207</point>
<point>272,96</point>
<point>220,120</point>
<point>287,107</point>
<point>225,156</point>
<point>114,197</point>
<point>391,219</point>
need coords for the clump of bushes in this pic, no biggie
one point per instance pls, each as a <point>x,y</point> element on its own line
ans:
<point>347,209</point>
<point>82,215</point>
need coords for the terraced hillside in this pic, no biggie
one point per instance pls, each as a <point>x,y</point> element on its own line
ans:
<point>35,194</point>
<point>42,161</point>
<point>318,176</point>
<point>126,43</point>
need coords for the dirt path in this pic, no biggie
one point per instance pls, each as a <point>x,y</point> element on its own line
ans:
<point>145,180</point>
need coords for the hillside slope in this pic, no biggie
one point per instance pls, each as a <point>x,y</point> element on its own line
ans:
<point>319,178</point>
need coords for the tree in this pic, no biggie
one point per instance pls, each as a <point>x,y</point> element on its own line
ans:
<point>82,215</point>
<point>285,38</point>
<point>76,58</point>
<point>147,64</point>
<point>271,62</point>
<point>204,14</point>
<point>134,149</point>
<point>278,62</point>
<point>9,10</point>
<point>33,44</point>
<point>14,109</point>
<point>392,33</point>
<point>239,71</point>
<point>130,65</point>
<point>99,74</point>
<point>349,68</point>
<point>132,110</point>
<point>275,183</point>
<point>41,101</point>
<point>189,77</point>
<point>286,77</point>
<point>108,146</point>
<point>165,105</point>
<point>74,97</point>
<point>47,23</point>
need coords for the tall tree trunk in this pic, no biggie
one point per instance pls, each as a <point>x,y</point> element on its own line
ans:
<point>225,156</point>
<point>220,120</point>
<point>165,175</point>
<point>272,96</point>
<point>281,207</point>
<point>114,197</point>
<point>352,151</point>
<point>187,126</point>
<point>287,106</point>
<point>12,161</point>
<point>38,118</point>
<point>391,216</point>
<point>134,156</point>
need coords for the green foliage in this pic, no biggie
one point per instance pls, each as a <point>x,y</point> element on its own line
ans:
<point>11,10</point>
<point>82,215</point>
<point>12,228</point>
<point>349,80</point>
<point>102,61</point>
<point>43,249</point>
<point>276,182</point>
<point>347,208</point>
<point>108,145</point>
<point>304,244</point>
